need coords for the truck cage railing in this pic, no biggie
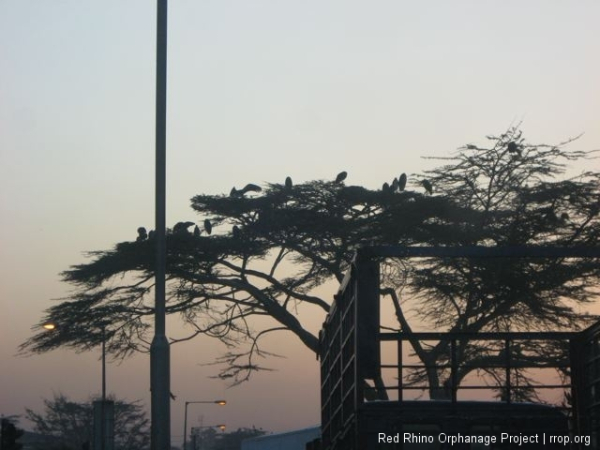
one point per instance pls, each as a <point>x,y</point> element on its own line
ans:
<point>509,363</point>
<point>351,339</point>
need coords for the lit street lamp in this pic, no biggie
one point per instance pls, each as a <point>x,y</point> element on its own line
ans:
<point>214,402</point>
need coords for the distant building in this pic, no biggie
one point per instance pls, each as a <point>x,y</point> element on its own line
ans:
<point>31,440</point>
<point>290,440</point>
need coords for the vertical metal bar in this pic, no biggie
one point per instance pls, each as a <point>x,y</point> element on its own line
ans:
<point>579,385</point>
<point>507,371</point>
<point>185,426</point>
<point>453,370</point>
<point>400,363</point>
<point>159,350</point>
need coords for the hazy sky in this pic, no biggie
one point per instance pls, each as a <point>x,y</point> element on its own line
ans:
<point>257,90</point>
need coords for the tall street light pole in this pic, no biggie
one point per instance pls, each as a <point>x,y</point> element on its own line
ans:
<point>216,402</point>
<point>159,349</point>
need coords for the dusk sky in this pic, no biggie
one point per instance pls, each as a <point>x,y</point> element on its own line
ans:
<point>257,91</point>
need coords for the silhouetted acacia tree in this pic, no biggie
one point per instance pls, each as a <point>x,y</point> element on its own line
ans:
<point>69,425</point>
<point>269,250</point>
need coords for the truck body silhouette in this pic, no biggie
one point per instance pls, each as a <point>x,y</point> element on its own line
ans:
<point>376,393</point>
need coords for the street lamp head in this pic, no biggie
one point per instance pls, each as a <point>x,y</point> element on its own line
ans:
<point>221,427</point>
<point>49,326</point>
<point>221,402</point>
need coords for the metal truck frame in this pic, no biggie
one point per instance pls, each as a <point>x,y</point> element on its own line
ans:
<point>354,406</point>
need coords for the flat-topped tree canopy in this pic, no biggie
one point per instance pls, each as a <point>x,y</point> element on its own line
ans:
<point>269,250</point>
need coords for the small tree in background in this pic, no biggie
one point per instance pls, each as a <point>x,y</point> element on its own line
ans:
<point>69,424</point>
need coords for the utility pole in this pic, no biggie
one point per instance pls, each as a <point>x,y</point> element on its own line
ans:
<point>159,349</point>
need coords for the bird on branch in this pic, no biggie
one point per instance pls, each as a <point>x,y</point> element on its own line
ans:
<point>341,177</point>
<point>250,188</point>
<point>428,187</point>
<point>142,235</point>
<point>207,226</point>
<point>402,182</point>
<point>181,228</point>
<point>513,148</point>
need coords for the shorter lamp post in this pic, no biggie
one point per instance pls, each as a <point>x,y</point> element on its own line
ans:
<point>214,402</point>
<point>51,326</point>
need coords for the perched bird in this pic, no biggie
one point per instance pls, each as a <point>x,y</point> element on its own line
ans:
<point>196,231</point>
<point>512,147</point>
<point>394,185</point>
<point>207,226</point>
<point>151,235</point>
<point>182,227</point>
<point>235,231</point>
<point>385,187</point>
<point>250,188</point>
<point>142,235</point>
<point>341,177</point>
<point>428,187</point>
<point>402,182</point>
<point>288,183</point>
